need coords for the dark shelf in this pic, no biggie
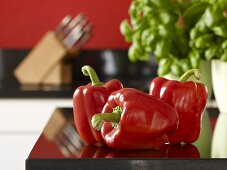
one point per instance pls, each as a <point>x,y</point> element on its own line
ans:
<point>108,64</point>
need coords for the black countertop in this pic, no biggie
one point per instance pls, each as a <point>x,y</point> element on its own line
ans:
<point>108,64</point>
<point>60,147</point>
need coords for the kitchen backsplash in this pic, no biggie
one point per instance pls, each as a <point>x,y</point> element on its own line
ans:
<point>23,23</point>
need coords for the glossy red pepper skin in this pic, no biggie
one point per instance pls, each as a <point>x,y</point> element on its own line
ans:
<point>144,123</point>
<point>188,99</point>
<point>87,101</point>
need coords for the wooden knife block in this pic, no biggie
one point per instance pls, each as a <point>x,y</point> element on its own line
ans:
<point>45,63</point>
<point>54,125</point>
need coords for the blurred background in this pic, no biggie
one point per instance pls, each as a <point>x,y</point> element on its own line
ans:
<point>44,44</point>
<point>26,107</point>
<point>24,22</point>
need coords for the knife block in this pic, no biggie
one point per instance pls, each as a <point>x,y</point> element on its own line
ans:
<point>45,64</point>
<point>55,125</point>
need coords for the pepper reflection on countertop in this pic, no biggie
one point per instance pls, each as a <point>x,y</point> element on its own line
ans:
<point>61,140</point>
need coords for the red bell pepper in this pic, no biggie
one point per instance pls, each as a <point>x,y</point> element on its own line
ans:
<point>132,119</point>
<point>188,98</point>
<point>87,101</point>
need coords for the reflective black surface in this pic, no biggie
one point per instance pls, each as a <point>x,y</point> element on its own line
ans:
<point>61,140</point>
<point>108,64</point>
<point>60,146</point>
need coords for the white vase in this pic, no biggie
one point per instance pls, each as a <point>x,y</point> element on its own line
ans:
<point>219,142</point>
<point>219,80</point>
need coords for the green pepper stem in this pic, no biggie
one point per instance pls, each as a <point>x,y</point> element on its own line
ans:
<point>189,73</point>
<point>98,119</point>
<point>114,117</point>
<point>89,71</point>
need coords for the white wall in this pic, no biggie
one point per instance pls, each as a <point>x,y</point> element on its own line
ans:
<point>21,123</point>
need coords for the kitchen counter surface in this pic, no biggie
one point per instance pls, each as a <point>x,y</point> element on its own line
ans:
<point>59,146</point>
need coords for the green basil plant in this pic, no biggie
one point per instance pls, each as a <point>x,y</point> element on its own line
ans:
<point>178,32</point>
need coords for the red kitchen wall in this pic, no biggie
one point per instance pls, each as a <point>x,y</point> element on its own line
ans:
<point>23,22</point>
